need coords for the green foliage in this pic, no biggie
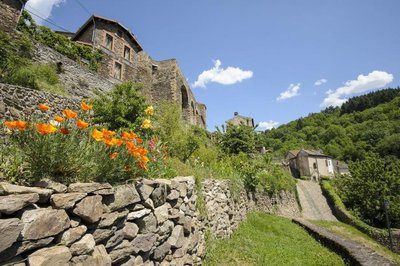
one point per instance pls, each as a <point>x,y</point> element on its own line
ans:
<point>269,240</point>
<point>237,139</point>
<point>59,42</point>
<point>372,182</point>
<point>121,108</point>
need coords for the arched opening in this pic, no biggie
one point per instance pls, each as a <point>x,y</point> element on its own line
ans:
<point>185,101</point>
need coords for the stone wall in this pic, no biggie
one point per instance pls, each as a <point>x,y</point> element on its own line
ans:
<point>148,222</point>
<point>10,11</point>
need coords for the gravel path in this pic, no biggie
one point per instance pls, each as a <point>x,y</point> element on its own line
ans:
<point>313,203</point>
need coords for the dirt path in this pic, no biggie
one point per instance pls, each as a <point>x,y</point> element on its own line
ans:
<point>313,203</point>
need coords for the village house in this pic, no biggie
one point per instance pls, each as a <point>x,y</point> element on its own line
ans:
<point>238,120</point>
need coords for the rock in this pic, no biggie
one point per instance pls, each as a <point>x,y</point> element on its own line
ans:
<point>88,187</point>
<point>137,207</point>
<point>82,260</point>
<point>121,252</point>
<point>72,235</point>
<point>104,192</point>
<point>25,246</point>
<point>41,223</point>
<point>53,256</point>
<point>12,203</point>
<point>159,195</point>
<point>130,231</point>
<point>149,204</point>
<point>9,232</point>
<point>180,252</point>
<point>187,225</point>
<point>144,190</point>
<point>173,195</point>
<point>50,184</point>
<point>166,228</point>
<point>100,256</point>
<point>124,195</point>
<point>75,221</point>
<point>101,234</point>
<point>138,214</point>
<point>144,242</point>
<point>182,190</point>
<point>83,246</point>
<point>161,251</point>
<point>89,209</point>
<point>130,262</point>
<point>177,237</point>
<point>147,224</point>
<point>161,213</point>
<point>113,218</point>
<point>115,239</point>
<point>66,201</point>
<point>6,189</point>
<point>193,240</point>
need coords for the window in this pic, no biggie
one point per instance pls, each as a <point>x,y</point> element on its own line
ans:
<point>127,53</point>
<point>109,41</point>
<point>117,70</point>
<point>315,165</point>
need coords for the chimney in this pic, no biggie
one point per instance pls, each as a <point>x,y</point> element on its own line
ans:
<point>235,113</point>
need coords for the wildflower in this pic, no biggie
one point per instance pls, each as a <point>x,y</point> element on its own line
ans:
<point>81,124</point>
<point>69,113</point>
<point>59,118</point>
<point>113,141</point>
<point>139,140</point>
<point>97,135</point>
<point>146,124</point>
<point>128,135</point>
<point>64,131</point>
<point>18,124</point>
<point>43,107</point>
<point>108,133</point>
<point>149,110</point>
<point>143,161</point>
<point>113,155</point>
<point>85,106</point>
<point>45,129</point>
<point>152,145</point>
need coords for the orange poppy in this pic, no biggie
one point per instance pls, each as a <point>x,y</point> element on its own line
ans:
<point>59,118</point>
<point>45,129</point>
<point>128,135</point>
<point>64,131</point>
<point>139,140</point>
<point>18,124</point>
<point>69,113</point>
<point>112,141</point>
<point>43,107</point>
<point>113,155</point>
<point>85,106</point>
<point>97,135</point>
<point>81,124</point>
<point>108,133</point>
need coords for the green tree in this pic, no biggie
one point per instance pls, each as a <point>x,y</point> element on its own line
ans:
<point>237,139</point>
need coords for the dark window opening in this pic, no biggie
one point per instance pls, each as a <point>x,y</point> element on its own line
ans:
<point>109,41</point>
<point>315,165</point>
<point>127,53</point>
<point>117,70</point>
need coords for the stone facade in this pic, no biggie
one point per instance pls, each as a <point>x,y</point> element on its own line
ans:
<point>238,120</point>
<point>10,11</point>
<point>148,222</point>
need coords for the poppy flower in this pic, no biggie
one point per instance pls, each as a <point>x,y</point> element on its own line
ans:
<point>18,124</point>
<point>43,107</point>
<point>146,124</point>
<point>108,133</point>
<point>97,135</point>
<point>149,110</point>
<point>45,129</point>
<point>128,135</point>
<point>69,113</point>
<point>81,124</point>
<point>85,106</point>
<point>59,118</point>
<point>113,155</point>
<point>64,131</point>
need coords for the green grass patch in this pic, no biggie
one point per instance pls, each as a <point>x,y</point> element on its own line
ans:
<point>352,233</point>
<point>269,240</point>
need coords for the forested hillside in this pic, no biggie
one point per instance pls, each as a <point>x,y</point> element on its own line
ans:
<point>364,124</point>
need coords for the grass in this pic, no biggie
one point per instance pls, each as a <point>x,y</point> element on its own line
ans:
<point>352,233</point>
<point>269,240</point>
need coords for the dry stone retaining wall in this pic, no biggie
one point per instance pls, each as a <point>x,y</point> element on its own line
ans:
<point>148,222</point>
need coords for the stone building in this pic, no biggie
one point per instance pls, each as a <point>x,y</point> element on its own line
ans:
<point>125,60</point>
<point>10,11</point>
<point>238,120</point>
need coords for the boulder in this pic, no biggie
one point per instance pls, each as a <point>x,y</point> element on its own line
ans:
<point>147,224</point>
<point>66,200</point>
<point>41,223</point>
<point>144,242</point>
<point>173,195</point>
<point>161,251</point>
<point>124,195</point>
<point>72,235</point>
<point>115,239</point>
<point>9,232</point>
<point>100,235</point>
<point>159,195</point>
<point>89,209</point>
<point>12,203</point>
<point>177,237</point>
<point>149,204</point>
<point>161,213</point>
<point>113,218</point>
<point>53,256</point>
<point>100,256</point>
<point>121,252</point>
<point>88,187</point>
<point>50,184</point>
<point>144,190</point>
<point>130,231</point>
<point>25,246</point>
<point>138,214</point>
<point>83,246</point>
<point>7,189</point>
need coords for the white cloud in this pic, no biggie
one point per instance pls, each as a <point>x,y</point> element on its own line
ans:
<point>320,82</point>
<point>267,125</point>
<point>372,81</point>
<point>292,91</point>
<point>227,76</point>
<point>42,8</point>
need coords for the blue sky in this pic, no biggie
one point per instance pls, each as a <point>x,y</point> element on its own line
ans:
<point>261,58</point>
